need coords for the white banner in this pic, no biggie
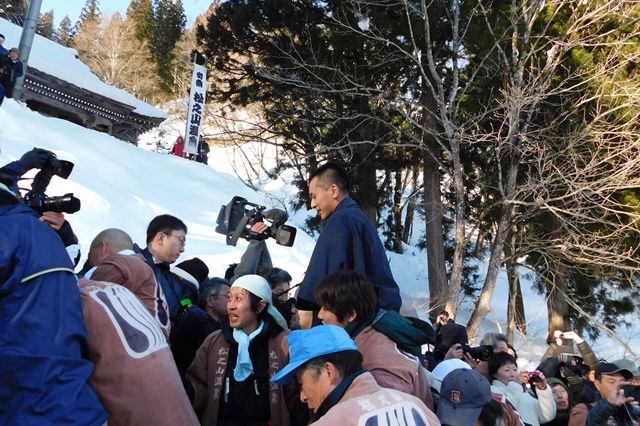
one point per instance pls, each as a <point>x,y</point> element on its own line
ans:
<point>195,114</point>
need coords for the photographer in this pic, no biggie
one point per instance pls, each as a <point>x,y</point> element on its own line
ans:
<point>38,158</point>
<point>561,362</point>
<point>43,366</point>
<point>504,371</point>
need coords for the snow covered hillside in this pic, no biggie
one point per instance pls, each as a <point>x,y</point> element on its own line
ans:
<point>124,186</point>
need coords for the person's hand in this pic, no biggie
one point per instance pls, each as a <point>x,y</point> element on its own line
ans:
<point>617,398</point>
<point>455,351</point>
<point>53,219</point>
<point>573,336</point>
<point>259,228</point>
<point>37,158</point>
<point>542,383</point>
<point>471,361</point>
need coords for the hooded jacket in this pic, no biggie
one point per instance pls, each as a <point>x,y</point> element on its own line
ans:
<point>532,411</point>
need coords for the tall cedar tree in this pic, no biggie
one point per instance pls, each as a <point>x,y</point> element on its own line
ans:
<point>169,22</point>
<point>141,13</point>
<point>65,33</point>
<point>45,25</point>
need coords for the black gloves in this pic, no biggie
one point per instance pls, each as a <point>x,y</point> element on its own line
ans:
<point>37,158</point>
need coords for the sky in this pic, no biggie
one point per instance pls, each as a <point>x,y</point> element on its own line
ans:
<point>61,8</point>
<point>125,186</point>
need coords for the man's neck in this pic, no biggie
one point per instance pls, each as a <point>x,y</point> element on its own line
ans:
<point>153,255</point>
<point>214,315</point>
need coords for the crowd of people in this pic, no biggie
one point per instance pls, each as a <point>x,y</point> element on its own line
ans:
<point>136,338</point>
<point>10,69</point>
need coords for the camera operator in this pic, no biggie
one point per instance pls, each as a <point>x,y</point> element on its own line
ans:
<point>43,364</point>
<point>37,158</point>
<point>560,361</point>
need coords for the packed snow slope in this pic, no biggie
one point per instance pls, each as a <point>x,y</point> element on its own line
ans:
<point>124,186</point>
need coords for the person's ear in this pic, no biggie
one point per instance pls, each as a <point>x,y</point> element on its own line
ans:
<point>332,374</point>
<point>262,305</point>
<point>352,316</point>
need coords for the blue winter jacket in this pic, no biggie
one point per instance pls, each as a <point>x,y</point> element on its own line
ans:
<point>174,288</point>
<point>44,366</point>
<point>349,241</point>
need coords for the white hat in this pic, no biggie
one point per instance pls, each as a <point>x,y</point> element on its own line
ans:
<point>260,287</point>
<point>445,367</point>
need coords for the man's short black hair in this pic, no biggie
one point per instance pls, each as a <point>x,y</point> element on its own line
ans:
<point>331,173</point>
<point>164,223</point>
<point>345,291</point>
<point>210,288</point>
<point>274,276</point>
<point>346,362</point>
<point>498,360</point>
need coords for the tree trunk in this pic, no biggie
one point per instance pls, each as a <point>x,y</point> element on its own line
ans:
<point>397,213</point>
<point>483,306</point>
<point>435,241</point>
<point>364,157</point>
<point>436,269</point>
<point>515,310</point>
<point>411,206</point>
<point>557,306</point>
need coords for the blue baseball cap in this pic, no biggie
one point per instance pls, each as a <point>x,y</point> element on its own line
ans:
<point>462,395</point>
<point>305,345</point>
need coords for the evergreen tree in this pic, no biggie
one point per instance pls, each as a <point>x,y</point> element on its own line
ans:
<point>140,12</point>
<point>169,22</point>
<point>45,25</point>
<point>13,10</point>
<point>65,32</point>
<point>90,13</point>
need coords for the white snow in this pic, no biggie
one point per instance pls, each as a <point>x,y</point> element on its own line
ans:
<point>62,62</point>
<point>124,186</point>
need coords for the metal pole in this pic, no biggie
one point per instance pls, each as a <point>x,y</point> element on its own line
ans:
<point>26,41</point>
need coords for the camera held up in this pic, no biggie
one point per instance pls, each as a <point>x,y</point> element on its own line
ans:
<point>236,219</point>
<point>482,352</point>
<point>41,202</point>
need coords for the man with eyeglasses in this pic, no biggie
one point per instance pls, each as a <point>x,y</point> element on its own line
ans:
<point>166,239</point>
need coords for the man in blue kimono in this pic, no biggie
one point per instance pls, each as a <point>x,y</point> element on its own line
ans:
<point>347,241</point>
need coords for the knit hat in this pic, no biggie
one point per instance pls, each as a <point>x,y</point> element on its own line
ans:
<point>260,287</point>
<point>553,381</point>
<point>463,394</point>
<point>450,334</point>
<point>193,270</point>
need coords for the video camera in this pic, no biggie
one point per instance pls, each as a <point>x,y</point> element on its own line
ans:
<point>39,201</point>
<point>235,220</point>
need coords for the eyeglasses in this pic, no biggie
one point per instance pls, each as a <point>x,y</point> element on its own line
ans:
<point>183,240</point>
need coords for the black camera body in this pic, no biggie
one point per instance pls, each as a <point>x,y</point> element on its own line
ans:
<point>41,202</point>
<point>482,352</point>
<point>534,377</point>
<point>236,219</point>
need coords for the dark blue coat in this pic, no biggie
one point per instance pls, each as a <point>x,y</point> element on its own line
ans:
<point>174,288</point>
<point>44,367</point>
<point>349,241</point>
